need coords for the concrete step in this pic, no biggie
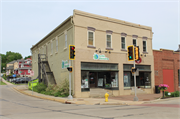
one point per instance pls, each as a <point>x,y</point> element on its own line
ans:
<point>98,92</point>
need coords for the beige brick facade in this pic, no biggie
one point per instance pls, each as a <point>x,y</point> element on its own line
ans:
<point>76,28</point>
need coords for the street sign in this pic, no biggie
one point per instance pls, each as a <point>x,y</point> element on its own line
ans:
<point>138,61</point>
<point>137,72</point>
<point>32,73</point>
<point>7,73</point>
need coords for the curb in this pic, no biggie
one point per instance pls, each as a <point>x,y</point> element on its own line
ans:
<point>46,98</point>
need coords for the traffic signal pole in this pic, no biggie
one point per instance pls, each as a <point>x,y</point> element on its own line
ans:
<point>135,98</point>
<point>70,96</point>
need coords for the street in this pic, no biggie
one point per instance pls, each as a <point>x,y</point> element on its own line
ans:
<point>14,105</point>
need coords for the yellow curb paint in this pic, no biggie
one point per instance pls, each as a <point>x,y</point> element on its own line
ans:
<point>60,100</point>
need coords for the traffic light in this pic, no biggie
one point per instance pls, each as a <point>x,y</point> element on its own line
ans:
<point>72,52</point>
<point>70,69</point>
<point>130,53</point>
<point>137,53</point>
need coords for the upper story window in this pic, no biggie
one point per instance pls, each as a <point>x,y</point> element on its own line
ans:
<point>144,44</point>
<point>134,42</point>
<point>123,41</point>
<point>91,38</point>
<point>65,38</point>
<point>108,39</point>
<point>56,44</point>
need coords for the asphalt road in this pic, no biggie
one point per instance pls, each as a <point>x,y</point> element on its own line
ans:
<point>14,105</point>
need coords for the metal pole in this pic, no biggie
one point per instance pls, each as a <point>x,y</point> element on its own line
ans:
<point>32,87</point>
<point>70,96</point>
<point>0,68</point>
<point>135,98</point>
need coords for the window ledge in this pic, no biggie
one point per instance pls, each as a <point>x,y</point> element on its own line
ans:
<point>50,54</point>
<point>124,50</point>
<point>90,46</point>
<point>65,48</point>
<point>109,48</point>
<point>56,52</point>
<point>145,52</point>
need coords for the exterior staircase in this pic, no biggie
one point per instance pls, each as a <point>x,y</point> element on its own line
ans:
<point>99,92</point>
<point>138,91</point>
<point>45,72</point>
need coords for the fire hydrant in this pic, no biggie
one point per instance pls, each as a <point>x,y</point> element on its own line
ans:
<point>106,97</point>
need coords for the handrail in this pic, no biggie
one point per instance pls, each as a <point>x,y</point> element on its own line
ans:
<point>45,73</point>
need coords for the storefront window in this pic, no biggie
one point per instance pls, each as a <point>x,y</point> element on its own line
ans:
<point>143,79</point>
<point>84,80</point>
<point>108,79</point>
<point>127,80</point>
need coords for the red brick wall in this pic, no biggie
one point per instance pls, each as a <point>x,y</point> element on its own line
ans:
<point>166,59</point>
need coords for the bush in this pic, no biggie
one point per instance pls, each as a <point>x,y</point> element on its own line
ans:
<point>39,87</point>
<point>61,90</point>
<point>166,93</point>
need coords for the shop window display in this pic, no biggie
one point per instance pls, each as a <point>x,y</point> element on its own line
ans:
<point>84,80</point>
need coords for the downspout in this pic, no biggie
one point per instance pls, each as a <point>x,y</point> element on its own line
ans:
<point>73,61</point>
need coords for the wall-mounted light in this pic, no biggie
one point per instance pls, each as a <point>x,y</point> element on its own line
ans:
<point>98,50</point>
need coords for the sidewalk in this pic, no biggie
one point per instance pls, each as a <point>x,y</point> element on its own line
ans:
<point>118,100</point>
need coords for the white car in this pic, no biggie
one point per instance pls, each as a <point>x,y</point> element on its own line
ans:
<point>1,75</point>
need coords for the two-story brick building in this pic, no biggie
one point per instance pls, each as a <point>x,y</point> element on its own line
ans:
<point>101,54</point>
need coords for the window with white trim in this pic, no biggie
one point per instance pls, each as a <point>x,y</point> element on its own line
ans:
<point>134,42</point>
<point>91,38</point>
<point>108,39</point>
<point>144,46</point>
<point>56,45</point>
<point>123,43</point>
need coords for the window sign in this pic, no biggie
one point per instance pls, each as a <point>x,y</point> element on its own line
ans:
<point>100,82</point>
<point>65,64</point>
<point>99,57</point>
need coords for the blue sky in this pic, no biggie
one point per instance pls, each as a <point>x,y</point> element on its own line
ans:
<point>25,22</point>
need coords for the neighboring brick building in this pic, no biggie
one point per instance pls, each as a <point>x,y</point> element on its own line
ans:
<point>166,67</point>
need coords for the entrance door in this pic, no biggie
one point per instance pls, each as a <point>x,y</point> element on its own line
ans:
<point>93,79</point>
<point>168,78</point>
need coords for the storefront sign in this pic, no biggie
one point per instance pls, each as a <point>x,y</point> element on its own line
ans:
<point>99,57</point>
<point>65,64</point>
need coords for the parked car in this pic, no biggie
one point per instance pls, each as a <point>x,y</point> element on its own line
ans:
<point>18,80</point>
<point>25,79</point>
<point>13,80</point>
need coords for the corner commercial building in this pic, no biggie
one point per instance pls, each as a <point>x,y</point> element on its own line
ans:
<point>101,54</point>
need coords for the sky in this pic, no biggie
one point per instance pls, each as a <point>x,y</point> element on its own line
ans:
<point>23,23</point>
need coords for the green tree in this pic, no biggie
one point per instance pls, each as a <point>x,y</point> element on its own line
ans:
<point>27,57</point>
<point>8,57</point>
